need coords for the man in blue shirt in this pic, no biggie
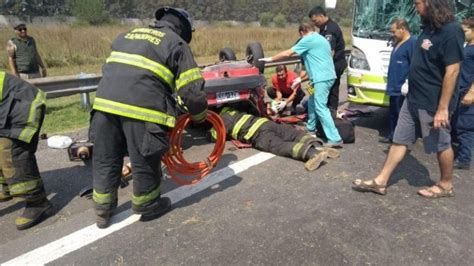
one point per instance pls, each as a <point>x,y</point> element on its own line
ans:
<point>433,77</point>
<point>316,53</point>
<point>398,71</point>
<point>463,121</point>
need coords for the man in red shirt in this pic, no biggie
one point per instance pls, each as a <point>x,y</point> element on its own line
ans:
<point>285,90</point>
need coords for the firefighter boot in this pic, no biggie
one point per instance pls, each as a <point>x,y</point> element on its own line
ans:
<point>154,210</point>
<point>5,194</point>
<point>33,213</point>
<point>103,219</point>
<point>315,161</point>
<point>103,216</point>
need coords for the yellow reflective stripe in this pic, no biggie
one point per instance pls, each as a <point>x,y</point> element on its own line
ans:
<point>199,117</point>
<point>228,110</point>
<point>296,149</point>
<point>134,112</point>
<point>188,77</point>
<point>3,180</point>
<point>24,187</point>
<point>34,116</point>
<point>255,127</point>
<point>213,134</point>
<point>145,63</point>
<point>238,125</point>
<point>103,198</point>
<point>140,200</point>
<point>2,79</point>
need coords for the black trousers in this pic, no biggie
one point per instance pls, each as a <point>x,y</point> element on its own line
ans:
<point>333,98</point>
<point>145,142</point>
<point>282,140</point>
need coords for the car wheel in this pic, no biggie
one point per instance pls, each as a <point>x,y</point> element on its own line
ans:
<point>227,54</point>
<point>254,52</point>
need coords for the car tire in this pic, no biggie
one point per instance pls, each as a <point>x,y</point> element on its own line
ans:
<point>227,54</point>
<point>253,53</point>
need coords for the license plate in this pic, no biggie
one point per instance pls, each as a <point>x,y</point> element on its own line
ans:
<point>227,96</point>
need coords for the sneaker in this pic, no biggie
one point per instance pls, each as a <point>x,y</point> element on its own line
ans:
<point>155,209</point>
<point>330,144</point>
<point>33,213</point>
<point>312,133</point>
<point>313,163</point>
<point>462,166</point>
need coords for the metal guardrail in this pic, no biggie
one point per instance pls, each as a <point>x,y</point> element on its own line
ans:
<point>83,83</point>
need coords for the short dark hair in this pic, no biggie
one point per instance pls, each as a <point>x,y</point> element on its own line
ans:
<point>401,23</point>
<point>469,22</point>
<point>281,68</point>
<point>316,11</point>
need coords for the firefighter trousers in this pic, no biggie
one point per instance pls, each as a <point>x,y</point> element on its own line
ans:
<point>283,140</point>
<point>19,170</point>
<point>145,142</point>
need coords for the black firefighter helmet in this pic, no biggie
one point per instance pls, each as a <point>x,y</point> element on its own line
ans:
<point>186,20</point>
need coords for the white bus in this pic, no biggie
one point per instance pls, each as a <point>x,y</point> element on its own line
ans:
<point>370,53</point>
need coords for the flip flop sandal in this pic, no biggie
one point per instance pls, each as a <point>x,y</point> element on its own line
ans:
<point>362,186</point>
<point>434,195</point>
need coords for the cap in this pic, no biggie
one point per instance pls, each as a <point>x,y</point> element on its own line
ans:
<point>19,25</point>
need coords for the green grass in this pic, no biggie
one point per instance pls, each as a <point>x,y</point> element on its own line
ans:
<point>65,115</point>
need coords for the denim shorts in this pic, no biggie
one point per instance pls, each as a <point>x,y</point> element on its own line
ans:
<point>414,123</point>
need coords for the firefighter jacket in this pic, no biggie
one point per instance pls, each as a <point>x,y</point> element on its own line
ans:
<point>148,70</point>
<point>21,108</point>
<point>240,126</point>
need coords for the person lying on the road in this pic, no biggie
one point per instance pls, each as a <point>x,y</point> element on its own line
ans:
<point>279,139</point>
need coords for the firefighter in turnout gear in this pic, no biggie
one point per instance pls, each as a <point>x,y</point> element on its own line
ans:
<point>280,139</point>
<point>149,72</point>
<point>22,109</point>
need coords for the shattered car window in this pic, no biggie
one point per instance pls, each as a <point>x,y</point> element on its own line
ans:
<point>372,18</point>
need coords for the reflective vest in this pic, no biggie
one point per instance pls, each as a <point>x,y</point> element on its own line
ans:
<point>22,106</point>
<point>147,73</point>
<point>240,126</point>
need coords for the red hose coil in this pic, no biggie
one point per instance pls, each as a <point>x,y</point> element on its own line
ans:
<point>174,159</point>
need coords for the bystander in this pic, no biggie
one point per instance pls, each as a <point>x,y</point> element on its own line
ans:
<point>432,79</point>
<point>23,56</point>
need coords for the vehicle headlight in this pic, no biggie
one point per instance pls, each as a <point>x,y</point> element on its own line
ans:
<point>358,60</point>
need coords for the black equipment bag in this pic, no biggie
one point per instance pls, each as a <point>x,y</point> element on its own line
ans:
<point>345,128</point>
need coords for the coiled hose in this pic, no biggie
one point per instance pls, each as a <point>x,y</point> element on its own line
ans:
<point>174,160</point>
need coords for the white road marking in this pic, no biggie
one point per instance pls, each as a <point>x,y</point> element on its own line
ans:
<point>90,234</point>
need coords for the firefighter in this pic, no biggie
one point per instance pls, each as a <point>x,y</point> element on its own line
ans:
<point>150,71</point>
<point>22,109</point>
<point>280,139</point>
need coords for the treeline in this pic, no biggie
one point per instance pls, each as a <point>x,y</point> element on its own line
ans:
<point>103,11</point>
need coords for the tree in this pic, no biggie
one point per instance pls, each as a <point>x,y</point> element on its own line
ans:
<point>280,20</point>
<point>89,11</point>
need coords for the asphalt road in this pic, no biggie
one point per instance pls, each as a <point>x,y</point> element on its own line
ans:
<point>265,210</point>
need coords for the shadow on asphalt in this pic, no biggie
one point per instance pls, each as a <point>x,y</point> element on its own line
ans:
<point>413,171</point>
<point>67,184</point>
